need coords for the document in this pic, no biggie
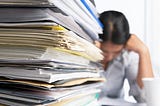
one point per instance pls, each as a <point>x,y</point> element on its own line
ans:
<point>37,16</point>
<point>27,3</point>
<point>62,83</point>
<point>39,53</point>
<point>7,96</point>
<point>43,75</point>
<point>43,85</point>
<point>88,6</point>
<point>17,94</point>
<point>23,15</point>
<point>47,53</point>
<point>70,10</point>
<point>45,38</point>
<point>89,49</point>
<point>83,98</point>
<point>69,22</point>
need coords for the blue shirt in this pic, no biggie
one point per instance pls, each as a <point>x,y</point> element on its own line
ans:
<point>125,66</point>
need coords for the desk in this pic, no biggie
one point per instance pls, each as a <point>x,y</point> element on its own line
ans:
<point>117,102</point>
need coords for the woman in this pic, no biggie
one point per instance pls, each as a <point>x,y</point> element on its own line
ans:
<point>120,60</point>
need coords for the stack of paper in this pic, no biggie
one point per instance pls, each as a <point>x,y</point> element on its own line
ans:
<point>47,55</point>
<point>81,11</point>
<point>46,39</point>
<point>23,17</point>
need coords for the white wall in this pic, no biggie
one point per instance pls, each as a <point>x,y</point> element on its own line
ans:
<point>134,10</point>
<point>153,33</point>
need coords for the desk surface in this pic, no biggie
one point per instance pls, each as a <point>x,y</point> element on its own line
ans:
<point>117,102</point>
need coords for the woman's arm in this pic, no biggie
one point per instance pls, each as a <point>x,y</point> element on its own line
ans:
<point>145,66</point>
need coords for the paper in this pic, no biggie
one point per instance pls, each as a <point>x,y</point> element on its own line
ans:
<point>69,22</point>
<point>47,53</point>
<point>63,83</point>
<point>13,93</point>
<point>29,16</point>
<point>27,3</point>
<point>7,96</point>
<point>45,39</point>
<point>70,10</point>
<point>83,98</point>
<point>93,15</point>
<point>43,75</point>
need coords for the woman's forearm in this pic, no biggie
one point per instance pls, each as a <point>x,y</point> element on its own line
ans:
<point>145,66</point>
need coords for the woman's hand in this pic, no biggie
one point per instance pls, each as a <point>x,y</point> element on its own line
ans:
<point>136,45</point>
<point>97,44</point>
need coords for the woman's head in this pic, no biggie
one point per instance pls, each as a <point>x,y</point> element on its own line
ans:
<point>116,27</point>
<point>115,33</point>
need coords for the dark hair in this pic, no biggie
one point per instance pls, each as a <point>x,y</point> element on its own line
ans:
<point>115,27</point>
